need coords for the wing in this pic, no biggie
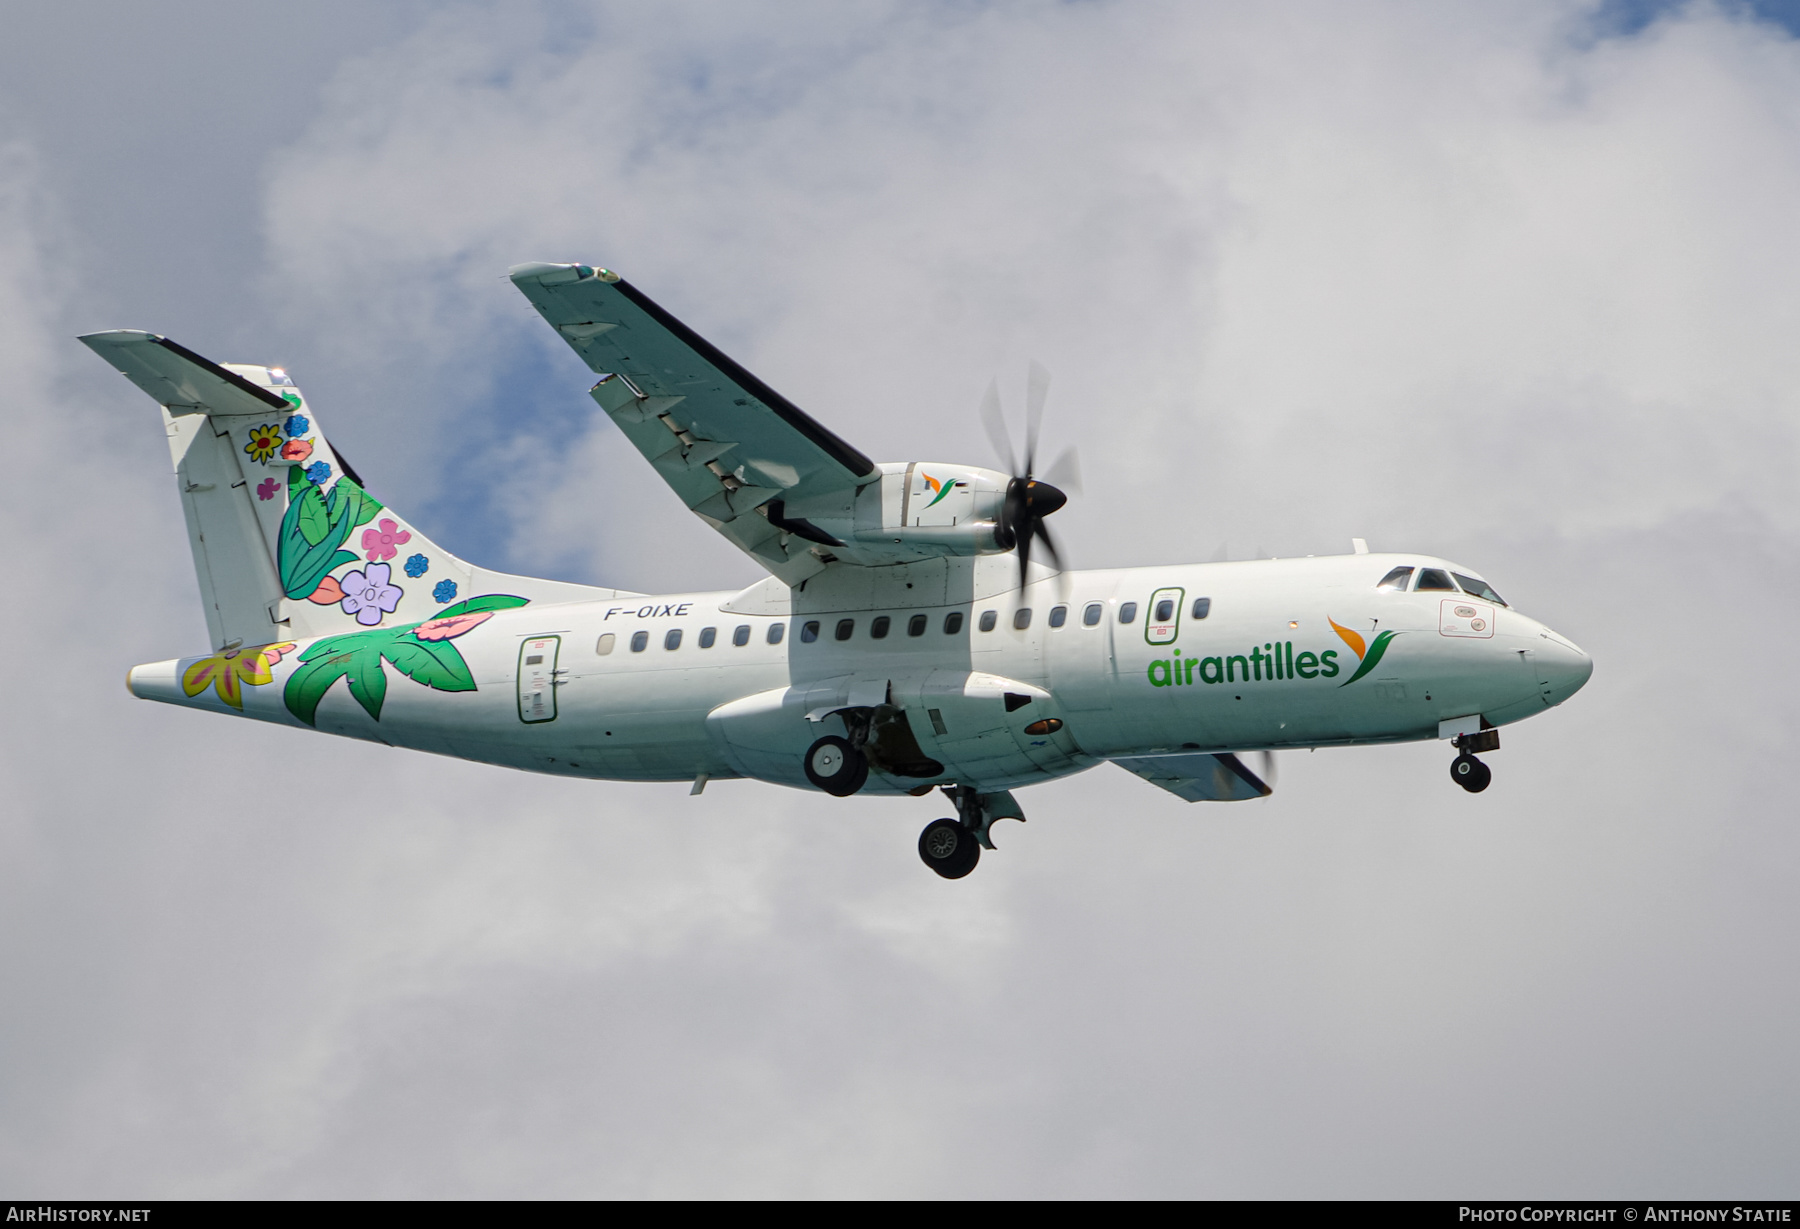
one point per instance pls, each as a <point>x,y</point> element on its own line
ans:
<point>736,451</point>
<point>1199,777</point>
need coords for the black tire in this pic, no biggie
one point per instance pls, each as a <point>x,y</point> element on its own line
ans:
<point>1470,773</point>
<point>948,848</point>
<point>836,767</point>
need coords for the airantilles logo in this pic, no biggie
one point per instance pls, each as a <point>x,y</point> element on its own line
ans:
<point>942,488</point>
<point>1275,661</point>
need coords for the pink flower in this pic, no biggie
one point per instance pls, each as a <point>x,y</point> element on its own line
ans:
<point>267,488</point>
<point>381,543</point>
<point>452,627</point>
<point>296,450</point>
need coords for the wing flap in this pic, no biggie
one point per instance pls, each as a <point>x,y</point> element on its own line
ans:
<point>1200,777</point>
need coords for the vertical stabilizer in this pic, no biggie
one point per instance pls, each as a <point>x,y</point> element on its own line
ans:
<point>287,543</point>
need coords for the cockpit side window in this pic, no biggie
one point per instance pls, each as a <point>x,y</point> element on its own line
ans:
<point>1479,588</point>
<point>1435,578</point>
<point>1396,579</point>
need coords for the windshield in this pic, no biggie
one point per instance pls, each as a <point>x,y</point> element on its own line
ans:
<point>1478,588</point>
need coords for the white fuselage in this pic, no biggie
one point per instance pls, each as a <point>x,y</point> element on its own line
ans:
<point>1264,668</point>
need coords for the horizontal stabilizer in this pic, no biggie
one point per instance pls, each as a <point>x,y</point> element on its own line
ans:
<point>1199,777</point>
<point>178,378</point>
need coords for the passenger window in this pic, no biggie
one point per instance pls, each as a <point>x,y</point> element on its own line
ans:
<point>605,645</point>
<point>915,626</point>
<point>809,631</point>
<point>673,639</point>
<point>1435,578</point>
<point>1165,610</point>
<point>1059,615</point>
<point>1396,579</point>
<point>988,619</point>
<point>741,636</point>
<point>1128,612</point>
<point>1091,616</point>
<point>537,659</point>
<point>878,630</point>
<point>846,628</point>
<point>777,630</point>
<point>707,636</point>
<point>953,622</point>
<point>1202,607</point>
<point>1480,588</point>
<point>639,641</point>
<point>1022,618</point>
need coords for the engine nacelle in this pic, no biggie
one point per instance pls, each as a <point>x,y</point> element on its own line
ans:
<point>917,510</point>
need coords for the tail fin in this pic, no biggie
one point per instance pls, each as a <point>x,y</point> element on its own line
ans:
<point>287,543</point>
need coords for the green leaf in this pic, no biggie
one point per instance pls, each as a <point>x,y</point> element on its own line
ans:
<point>435,663</point>
<point>313,521</point>
<point>1373,656</point>
<point>487,601</point>
<point>308,685</point>
<point>352,505</point>
<point>368,682</point>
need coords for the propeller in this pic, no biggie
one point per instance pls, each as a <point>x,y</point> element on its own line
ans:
<point>1029,499</point>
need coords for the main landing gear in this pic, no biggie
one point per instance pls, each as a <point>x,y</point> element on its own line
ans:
<point>1465,769</point>
<point>837,766</point>
<point>952,847</point>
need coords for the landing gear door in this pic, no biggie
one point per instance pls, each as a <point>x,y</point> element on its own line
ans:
<point>537,679</point>
<point>1162,620</point>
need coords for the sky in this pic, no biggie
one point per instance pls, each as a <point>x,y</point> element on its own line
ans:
<point>1515,283</point>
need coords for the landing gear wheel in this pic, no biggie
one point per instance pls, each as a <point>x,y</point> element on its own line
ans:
<point>1470,773</point>
<point>949,848</point>
<point>836,767</point>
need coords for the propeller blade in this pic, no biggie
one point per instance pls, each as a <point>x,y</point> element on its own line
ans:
<point>1043,531</point>
<point>995,422</point>
<point>1268,769</point>
<point>1065,471</point>
<point>1025,536</point>
<point>1037,391</point>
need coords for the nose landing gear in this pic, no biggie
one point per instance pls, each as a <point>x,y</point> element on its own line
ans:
<point>1465,769</point>
<point>1470,773</point>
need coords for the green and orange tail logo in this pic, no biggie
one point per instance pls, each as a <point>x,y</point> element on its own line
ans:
<point>1368,654</point>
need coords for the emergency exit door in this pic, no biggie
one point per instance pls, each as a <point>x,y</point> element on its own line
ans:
<point>537,679</point>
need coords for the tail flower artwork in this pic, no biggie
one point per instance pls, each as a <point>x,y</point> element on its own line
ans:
<point>230,671</point>
<point>420,651</point>
<point>368,595</point>
<point>380,541</point>
<point>264,441</point>
<point>1369,654</point>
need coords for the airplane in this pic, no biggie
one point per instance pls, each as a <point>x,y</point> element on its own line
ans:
<point>907,638</point>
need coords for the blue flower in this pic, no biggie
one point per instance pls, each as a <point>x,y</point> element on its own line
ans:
<point>317,472</point>
<point>296,424</point>
<point>446,589</point>
<point>417,566</point>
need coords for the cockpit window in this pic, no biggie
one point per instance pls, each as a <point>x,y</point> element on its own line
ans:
<point>1396,579</point>
<point>1479,588</point>
<point>1435,578</point>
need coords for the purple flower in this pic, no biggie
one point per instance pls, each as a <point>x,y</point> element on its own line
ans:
<point>367,594</point>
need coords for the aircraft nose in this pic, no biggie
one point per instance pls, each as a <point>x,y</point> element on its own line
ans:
<point>1563,668</point>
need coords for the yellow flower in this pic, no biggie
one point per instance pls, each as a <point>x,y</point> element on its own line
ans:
<point>228,672</point>
<point>264,440</point>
